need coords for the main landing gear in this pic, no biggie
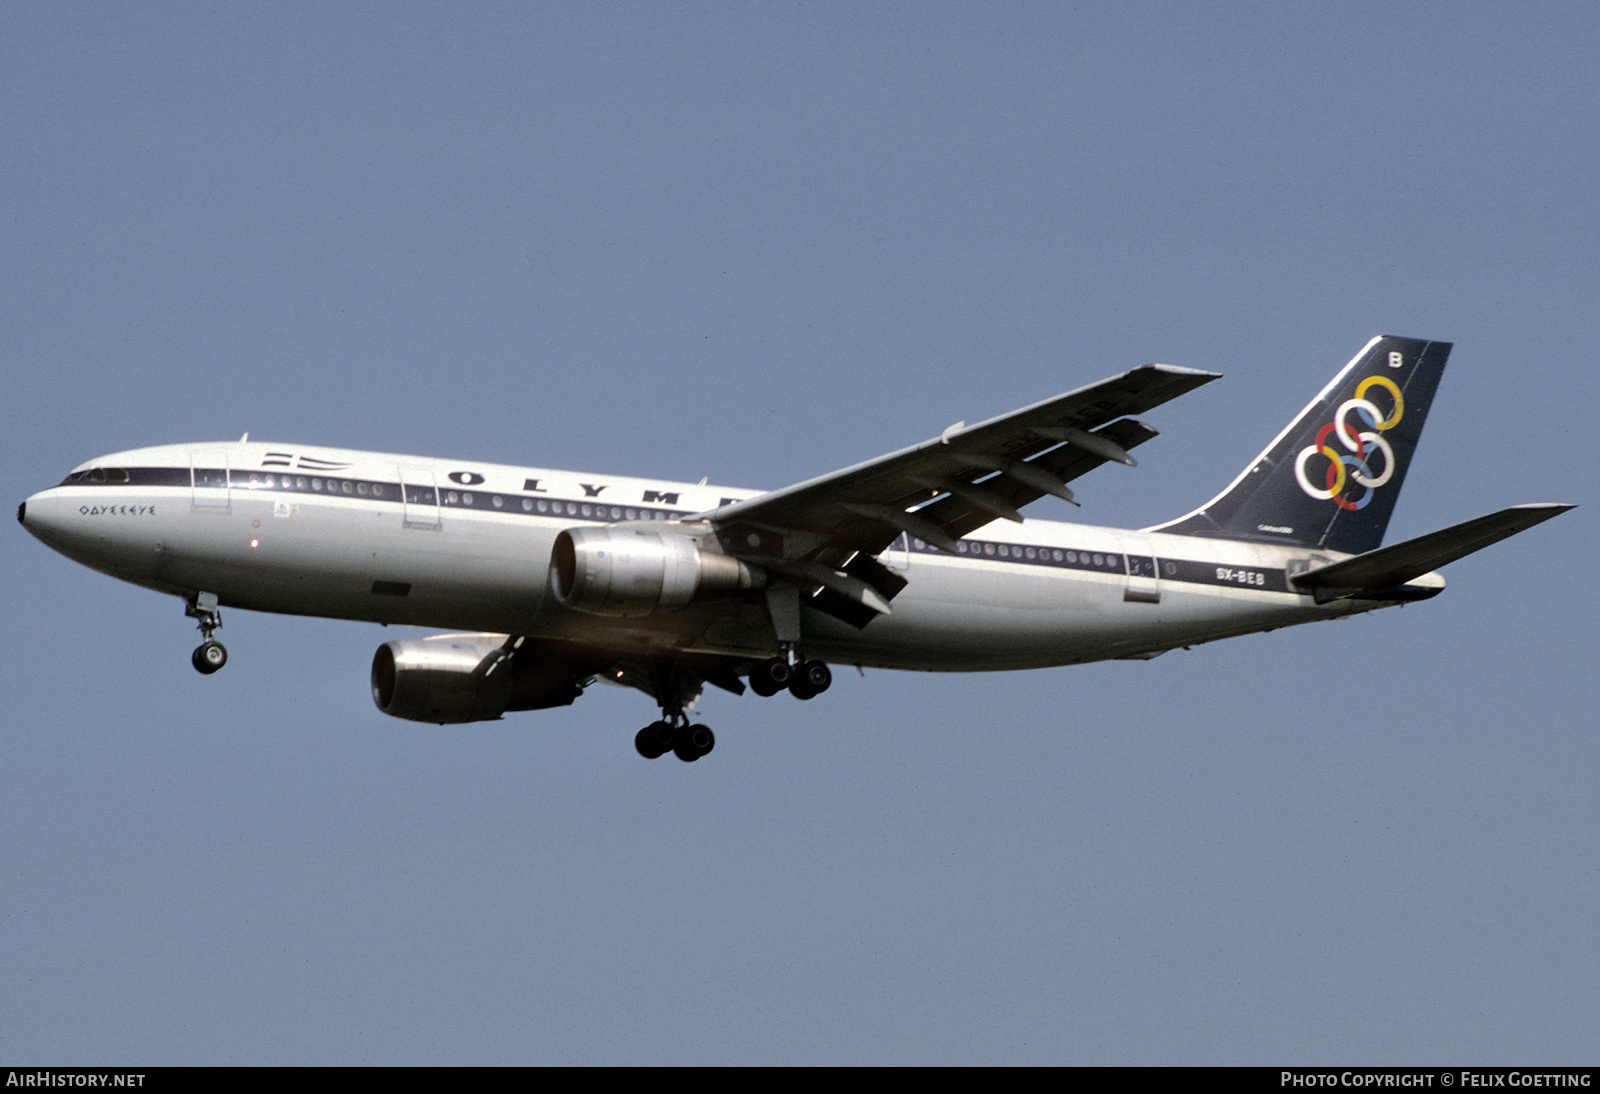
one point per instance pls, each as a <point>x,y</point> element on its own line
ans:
<point>676,691</point>
<point>210,655</point>
<point>688,741</point>
<point>805,680</point>
<point>685,741</point>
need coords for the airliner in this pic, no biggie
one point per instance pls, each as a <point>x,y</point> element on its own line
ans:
<point>550,581</point>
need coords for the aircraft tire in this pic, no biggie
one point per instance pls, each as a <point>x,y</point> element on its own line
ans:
<point>771,677</point>
<point>646,744</point>
<point>800,687</point>
<point>208,657</point>
<point>692,742</point>
<point>818,675</point>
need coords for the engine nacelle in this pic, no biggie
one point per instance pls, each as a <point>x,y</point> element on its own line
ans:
<point>617,571</point>
<point>443,678</point>
<point>449,678</point>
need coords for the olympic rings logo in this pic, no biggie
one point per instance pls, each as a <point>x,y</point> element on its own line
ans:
<point>1354,464</point>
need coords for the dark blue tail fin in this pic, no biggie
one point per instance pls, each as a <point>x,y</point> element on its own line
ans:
<point>1330,480</point>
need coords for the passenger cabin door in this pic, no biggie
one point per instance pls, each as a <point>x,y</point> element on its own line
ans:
<point>208,479</point>
<point>1143,581</point>
<point>419,493</point>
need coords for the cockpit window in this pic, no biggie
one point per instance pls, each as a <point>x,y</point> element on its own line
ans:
<point>96,476</point>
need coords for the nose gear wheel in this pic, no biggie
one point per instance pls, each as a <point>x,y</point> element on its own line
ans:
<point>210,655</point>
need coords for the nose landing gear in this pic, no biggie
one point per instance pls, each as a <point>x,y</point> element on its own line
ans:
<point>210,655</point>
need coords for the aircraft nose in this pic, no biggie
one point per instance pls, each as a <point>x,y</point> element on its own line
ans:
<point>55,521</point>
<point>23,516</point>
<point>38,515</point>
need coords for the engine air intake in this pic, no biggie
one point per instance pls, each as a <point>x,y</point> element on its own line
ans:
<point>616,571</point>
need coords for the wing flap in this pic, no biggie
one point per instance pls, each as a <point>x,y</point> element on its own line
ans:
<point>834,515</point>
<point>820,535</point>
<point>957,516</point>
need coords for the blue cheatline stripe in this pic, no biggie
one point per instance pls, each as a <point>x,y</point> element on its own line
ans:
<point>388,493</point>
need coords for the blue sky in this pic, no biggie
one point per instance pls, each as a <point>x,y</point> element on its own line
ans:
<point>755,243</point>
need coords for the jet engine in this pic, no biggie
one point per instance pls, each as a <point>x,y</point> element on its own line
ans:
<point>617,571</point>
<point>451,678</point>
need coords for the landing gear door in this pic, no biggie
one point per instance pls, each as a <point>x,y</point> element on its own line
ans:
<point>419,495</point>
<point>208,479</point>
<point>1144,580</point>
<point>898,555</point>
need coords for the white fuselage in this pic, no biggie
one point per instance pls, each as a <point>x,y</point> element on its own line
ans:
<point>466,546</point>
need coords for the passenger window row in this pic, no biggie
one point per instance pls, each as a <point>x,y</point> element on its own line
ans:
<point>315,484</point>
<point>460,499</point>
<point>1042,556</point>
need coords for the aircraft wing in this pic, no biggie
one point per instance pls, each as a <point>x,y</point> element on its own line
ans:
<point>823,533</point>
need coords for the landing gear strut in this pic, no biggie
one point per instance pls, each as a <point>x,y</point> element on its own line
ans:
<point>210,655</point>
<point>804,679</point>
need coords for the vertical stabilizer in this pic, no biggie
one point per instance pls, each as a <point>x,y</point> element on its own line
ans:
<point>1329,481</point>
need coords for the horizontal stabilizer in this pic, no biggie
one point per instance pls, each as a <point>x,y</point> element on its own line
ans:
<point>1387,568</point>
